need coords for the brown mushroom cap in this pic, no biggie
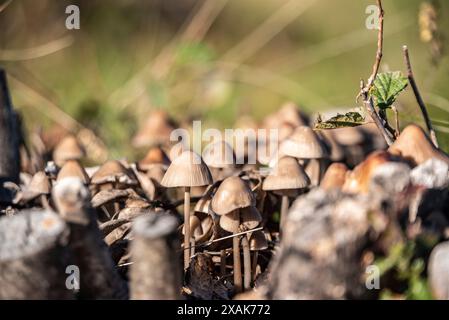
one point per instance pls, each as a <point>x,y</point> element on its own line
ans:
<point>72,168</point>
<point>334,177</point>
<point>357,180</point>
<point>250,217</point>
<point>187,170</point>
<point>288,174</point>
<point>348,136</point>
<point>204,203</point>
<point>219,155</point>
<point>156,130</point>
<point>413,145</point>
<point>258,241</point>
<point>230,222</point>
<point>303,143</point>
<point>154,156</point>
<point>113,171</point>
<point>68,149</point>
<point>232,194</point>
<point>39,185</point>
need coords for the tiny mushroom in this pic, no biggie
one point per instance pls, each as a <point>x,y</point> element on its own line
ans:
<point>288,178</point>
<point>415,146</point>
<point>220,158</point>
<point>187,170</point>
<point>68,149</point>
<point>232,195</point>
<point>304,144</point>
<point>72,168</point>
<point>335,176</point>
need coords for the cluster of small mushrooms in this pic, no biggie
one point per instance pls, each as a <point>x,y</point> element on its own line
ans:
<point>215,212</point>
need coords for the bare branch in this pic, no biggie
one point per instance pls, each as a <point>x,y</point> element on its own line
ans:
<point>369,106</point>
<point>418,97</point>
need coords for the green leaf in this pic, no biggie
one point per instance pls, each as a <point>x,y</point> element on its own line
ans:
<point>350,119</point>
<point>387,87</point>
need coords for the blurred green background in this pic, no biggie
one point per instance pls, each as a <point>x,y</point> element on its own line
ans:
<point>214,60</point>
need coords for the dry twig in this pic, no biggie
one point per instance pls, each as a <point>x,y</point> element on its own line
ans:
<point>422,106</point>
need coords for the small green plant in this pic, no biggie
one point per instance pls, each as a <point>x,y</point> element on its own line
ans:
<point>387,87</point>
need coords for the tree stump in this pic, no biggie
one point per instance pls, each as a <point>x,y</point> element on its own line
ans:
<point>99,277</point>
<point>30,256</point>
<point>320,253</point>
<point>156,270</point>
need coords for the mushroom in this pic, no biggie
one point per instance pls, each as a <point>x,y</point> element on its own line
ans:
<point>232,195</point>
<point>39,186</point>
<point>154,156</point>
<point>112,175</point>
<point>414,146</point>
<point>220,158</point>
<point>156,130</point>
<point>357,180</point>
<point>287,178</point>
<point>334,177</point>
<point>304,144</point>
<point>72,168</point>
<point>257,242</point>
<point>188,170</point>
<point>68,149</point>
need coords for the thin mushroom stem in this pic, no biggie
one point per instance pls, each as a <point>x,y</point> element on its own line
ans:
<point>284,210</point>
<point>254,265</point>
<point>192,247</point>
<point>222,262</point>
<point>237,263</point>
<point>246,263</point>
<point>419,100</point>
<point>186,227</point>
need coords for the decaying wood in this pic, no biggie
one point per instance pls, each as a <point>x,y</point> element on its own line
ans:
<point>9,135</point>
<point>156,271</point>
<point>31,252</point>
<point>99,278</point>
<point>320,254</point>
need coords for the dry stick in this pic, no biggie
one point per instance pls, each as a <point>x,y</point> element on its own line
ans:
<point>379,52</point>
<point>364,92</point>
<point>369,106</point>
<point>9,135</point>
<point>246,263</point>
<point>186,227</point>
<point>31,251</point>
<point>99,276</point>
<point>155,272</point>
<point>396,120</point>
<point>418,97</point>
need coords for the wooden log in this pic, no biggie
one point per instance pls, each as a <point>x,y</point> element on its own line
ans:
<point>99,277</point>
<point>320,252</point>
<point>9,135</point>
<point>156,269</point>
<point>31,248</point>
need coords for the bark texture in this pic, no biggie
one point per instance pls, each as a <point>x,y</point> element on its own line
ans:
<point>31,252</point>
<point>156,271</point>
<point>322,245</point>
<point>99,277</point>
